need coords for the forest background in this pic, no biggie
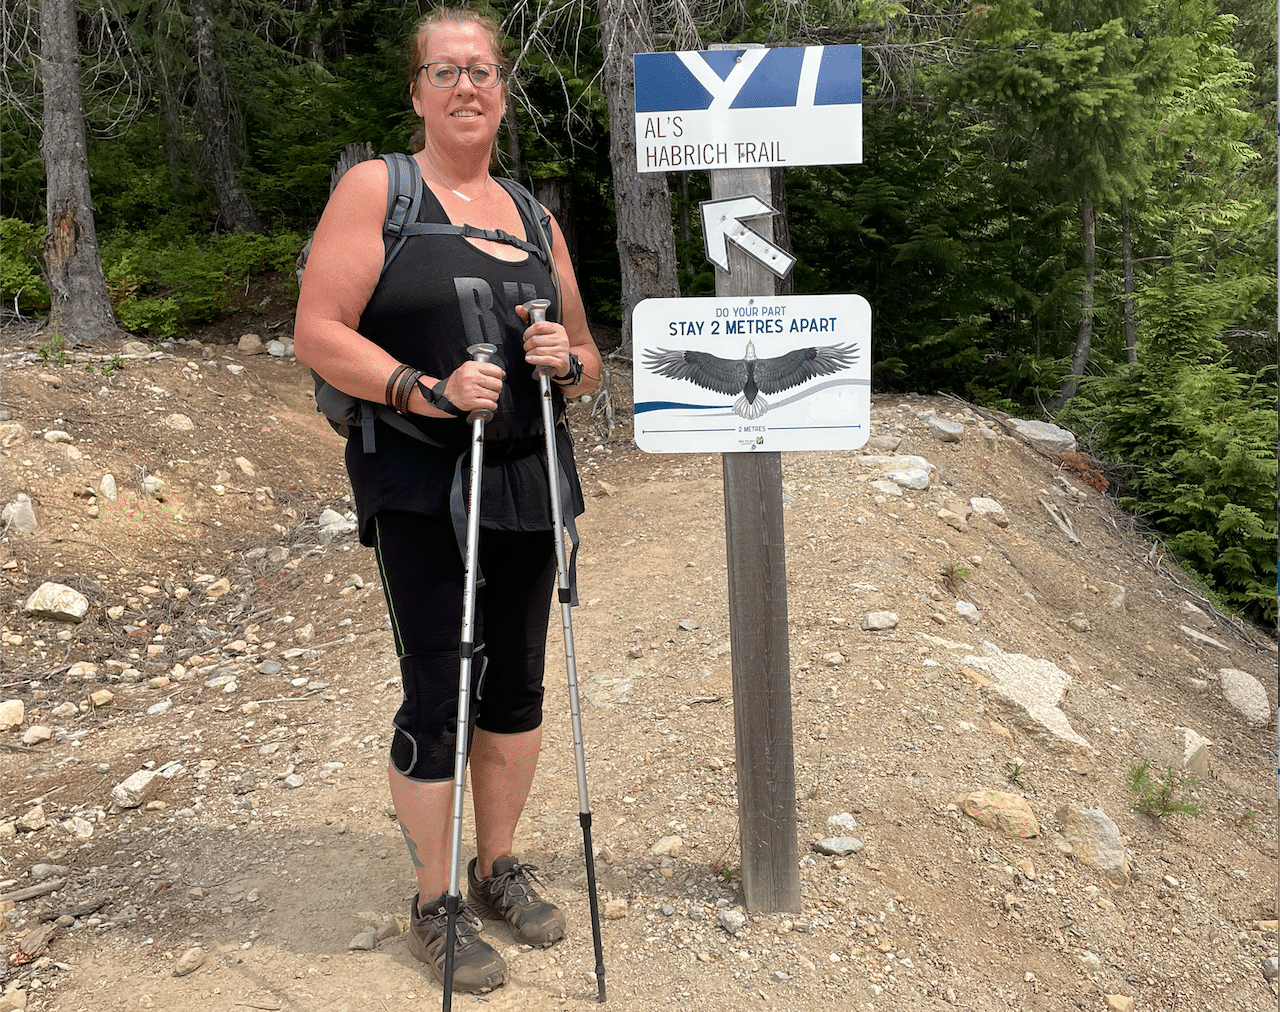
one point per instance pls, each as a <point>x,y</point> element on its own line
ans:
<point>1067,208</point>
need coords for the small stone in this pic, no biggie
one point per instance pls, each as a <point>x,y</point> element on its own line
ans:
<point>689,624</point>
<point>179,422</point>
<point>57,436</point>
<point>58,602</point>
<point>877,620</point>
<point>615,909</point>
<point>270,668</point>
<point>838,846</point>
<point>668,846</point>
<point>1271,966</point>
<point>293,780</point>
<point>1009,813</point>
<point>101,698</point>
<point>249,344</point>
<point>33,820</point>
<point>944,431</point>
<point>36,734</point>
<point>1119,1003</point>
<point>135,789</point>
<point>19,515</point>
<point>107,487</point>
<point>153,484</point>
<point>12,713</point>
<point>78,828</point>
<point>989,509</point>
<point>833,660</point>
<point>844,820</point>
<point>1079,623</point>
<point>216,589</point>
<point>731,920</point>
<point>1246,695</point>
<point>967,611</point>
<point>364,940</point>
<point>246,467</point>
<point>189,961</point>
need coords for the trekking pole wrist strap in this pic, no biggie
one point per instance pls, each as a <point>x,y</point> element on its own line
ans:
<point>436,398</point>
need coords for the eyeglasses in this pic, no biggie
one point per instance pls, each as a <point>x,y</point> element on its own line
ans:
<point>446,75</point>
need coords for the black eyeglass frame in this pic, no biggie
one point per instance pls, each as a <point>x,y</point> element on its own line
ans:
<point>498,74</point>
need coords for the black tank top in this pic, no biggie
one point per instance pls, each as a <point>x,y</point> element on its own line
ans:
<point>440,295</point>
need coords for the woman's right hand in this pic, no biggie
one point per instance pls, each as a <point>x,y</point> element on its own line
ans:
<point>475,386</point>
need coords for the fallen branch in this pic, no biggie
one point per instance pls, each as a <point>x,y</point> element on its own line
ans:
<point>31,892</point>
<point>1063,522</point>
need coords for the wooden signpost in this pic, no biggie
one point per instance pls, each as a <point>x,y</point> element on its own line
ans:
<point>735,110</point>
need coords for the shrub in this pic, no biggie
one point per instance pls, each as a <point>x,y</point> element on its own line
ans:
<point>1174,794</point>
<point>20,278</point>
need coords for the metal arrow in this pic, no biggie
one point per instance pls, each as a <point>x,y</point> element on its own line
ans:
<point>722,223</point>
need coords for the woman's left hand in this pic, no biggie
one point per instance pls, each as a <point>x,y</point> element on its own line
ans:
<point>546,345</point>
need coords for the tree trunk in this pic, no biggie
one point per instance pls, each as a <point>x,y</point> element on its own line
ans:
<point>1084,337</point>
<point>1126,254</point>
<point>642,203</point>
<point>212,107</point>
<point>556,195</point>
<point>781,227</point>
<point>79,309</point>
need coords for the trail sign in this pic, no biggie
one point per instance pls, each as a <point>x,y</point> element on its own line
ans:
<point>748,108</point>
<point>762,373</point>
<point>722,223</point>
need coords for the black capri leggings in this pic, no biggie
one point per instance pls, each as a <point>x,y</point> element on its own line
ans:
<point>422,576</point>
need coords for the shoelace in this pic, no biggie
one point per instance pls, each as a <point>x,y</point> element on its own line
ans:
<point>513,881</point>
<point>467,931</point>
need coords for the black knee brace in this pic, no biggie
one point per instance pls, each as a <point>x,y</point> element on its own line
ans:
<point>425,739</point>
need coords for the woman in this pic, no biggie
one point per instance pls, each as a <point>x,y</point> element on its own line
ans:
<point>357,330</point>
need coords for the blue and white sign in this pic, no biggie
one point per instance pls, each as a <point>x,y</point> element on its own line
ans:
<point>748,108</point>
<point>767,373</point>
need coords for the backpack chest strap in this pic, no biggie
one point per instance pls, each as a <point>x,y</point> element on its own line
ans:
<point>471,232</point>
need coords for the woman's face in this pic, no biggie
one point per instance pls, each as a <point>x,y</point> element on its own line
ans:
<point>461,116</point>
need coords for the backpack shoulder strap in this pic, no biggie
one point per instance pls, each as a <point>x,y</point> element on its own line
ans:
<point>404,199</point>
<point>541,218</point>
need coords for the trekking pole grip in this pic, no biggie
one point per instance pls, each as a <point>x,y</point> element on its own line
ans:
<point>481,353</point>
<point>537,313</point>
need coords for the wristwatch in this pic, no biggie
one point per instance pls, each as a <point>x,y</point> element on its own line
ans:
<point>574,376</point>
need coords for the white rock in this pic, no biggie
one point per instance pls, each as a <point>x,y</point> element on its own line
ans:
<point>1031,688</point>
<point>1246,695</point>
<point>36,734</point>
<point>153,484</point>
<point>838,846</point>
<point>190,961</point>
<point>731,920</point>
<point>1095,841</point>
<point>59,602</point>
<point>107,487</point>
<point>1195,752</point>
<point>615,909</point>
<point>895,462</point>
<point>10,433</point>
<point>989,509</point>
<point>1196,636</point>
<point>668,846</point>
<point>57,436</point>
<point>277,349</point>
<point>885,487</point>
<point>293,780</point>
<point>12,713</point>
<point>135,789</point>
<point>19,515</point>
<point>78,827</point>
<point>33,820</point>
<point>914,478</point>
<point>1194,616</point>
<point>877,620</point>
<point>944,431</point>
<point>844,820</point>
<point>179,422</point>
<point>246,467</point>
<point>968,611</point>
<point>1045,435</point>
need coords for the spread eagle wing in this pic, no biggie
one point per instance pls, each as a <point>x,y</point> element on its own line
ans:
<point>723,375</point>
<point>773,375</point>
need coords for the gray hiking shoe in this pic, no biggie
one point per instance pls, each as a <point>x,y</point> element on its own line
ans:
<point>508,894</point>
<point>476,967</point>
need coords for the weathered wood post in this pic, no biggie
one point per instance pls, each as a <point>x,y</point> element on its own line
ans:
<point>758,621</point>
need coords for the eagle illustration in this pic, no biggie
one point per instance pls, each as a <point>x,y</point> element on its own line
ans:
<point>749,376</point>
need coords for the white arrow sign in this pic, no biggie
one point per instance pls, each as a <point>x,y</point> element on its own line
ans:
<point>722,224</point>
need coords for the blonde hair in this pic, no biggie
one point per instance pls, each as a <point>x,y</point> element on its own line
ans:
<point>454,17</point>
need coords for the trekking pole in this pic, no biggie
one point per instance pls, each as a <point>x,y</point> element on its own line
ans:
<point>538,312</point>
<point>453,900</point>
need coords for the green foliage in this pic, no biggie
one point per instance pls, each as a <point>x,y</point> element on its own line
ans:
<point>160,283</point>
<point>20,280</point>
<point>1173,794</point>
<point>55,353</point>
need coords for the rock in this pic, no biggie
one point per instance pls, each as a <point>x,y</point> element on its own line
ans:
<point>731,920</point>
<point>969,612</point>
<point>101,698</point>
<point>189,961</point>
<point>179,422</point>
<point>153,484</point>
<point>953,519</point>
<point>134,349</point>
<point>1095,842</point>
<point>78,828</point>
<point>989,509</point>
<point>293,781</point>
<point>216,589</point>
<point>305,633</point>
<point>246,467</point>
<point>388,927</point>
<point>844,820</point>
<point>914,478</point>
<point>364,940</point>
<point>689,624</point>
<point>885,444</point>
<point>1008,813</point>
<point>1195,752</point>
<point>895,462</point>
<point>1271,967</point>
<point>1195,617</point>
<point>838,846</point>
<point>668,846</point>
<point>1079,623</point>
<point>874,621</point>
<point>83,671</point>
<point>1115,595</point>
<point>1031,689</point>
<point>33,820</point>
<point>43,870</point>
<point>334,526</point>
<point>1119,1003</point>
<point>12,713</point>
<point>36,734</point>
<point>19,515</point>
<point>1246,696</point>
<point>833,660</point>
<point>944,431</point>
<point>886,487</point>
<point>1044,435</point>
<point>107,487</point>
<point>58,602</point>
<point>135,789</point>
<point>1196,636</point>
<point>615,909</point>
<point>270,668</point>
<point>249,344</point>
<point>277,349</point>
<point>10,433</point>
<point>58,436</point>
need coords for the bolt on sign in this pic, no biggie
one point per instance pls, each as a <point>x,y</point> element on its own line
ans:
<point>748,108</point>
